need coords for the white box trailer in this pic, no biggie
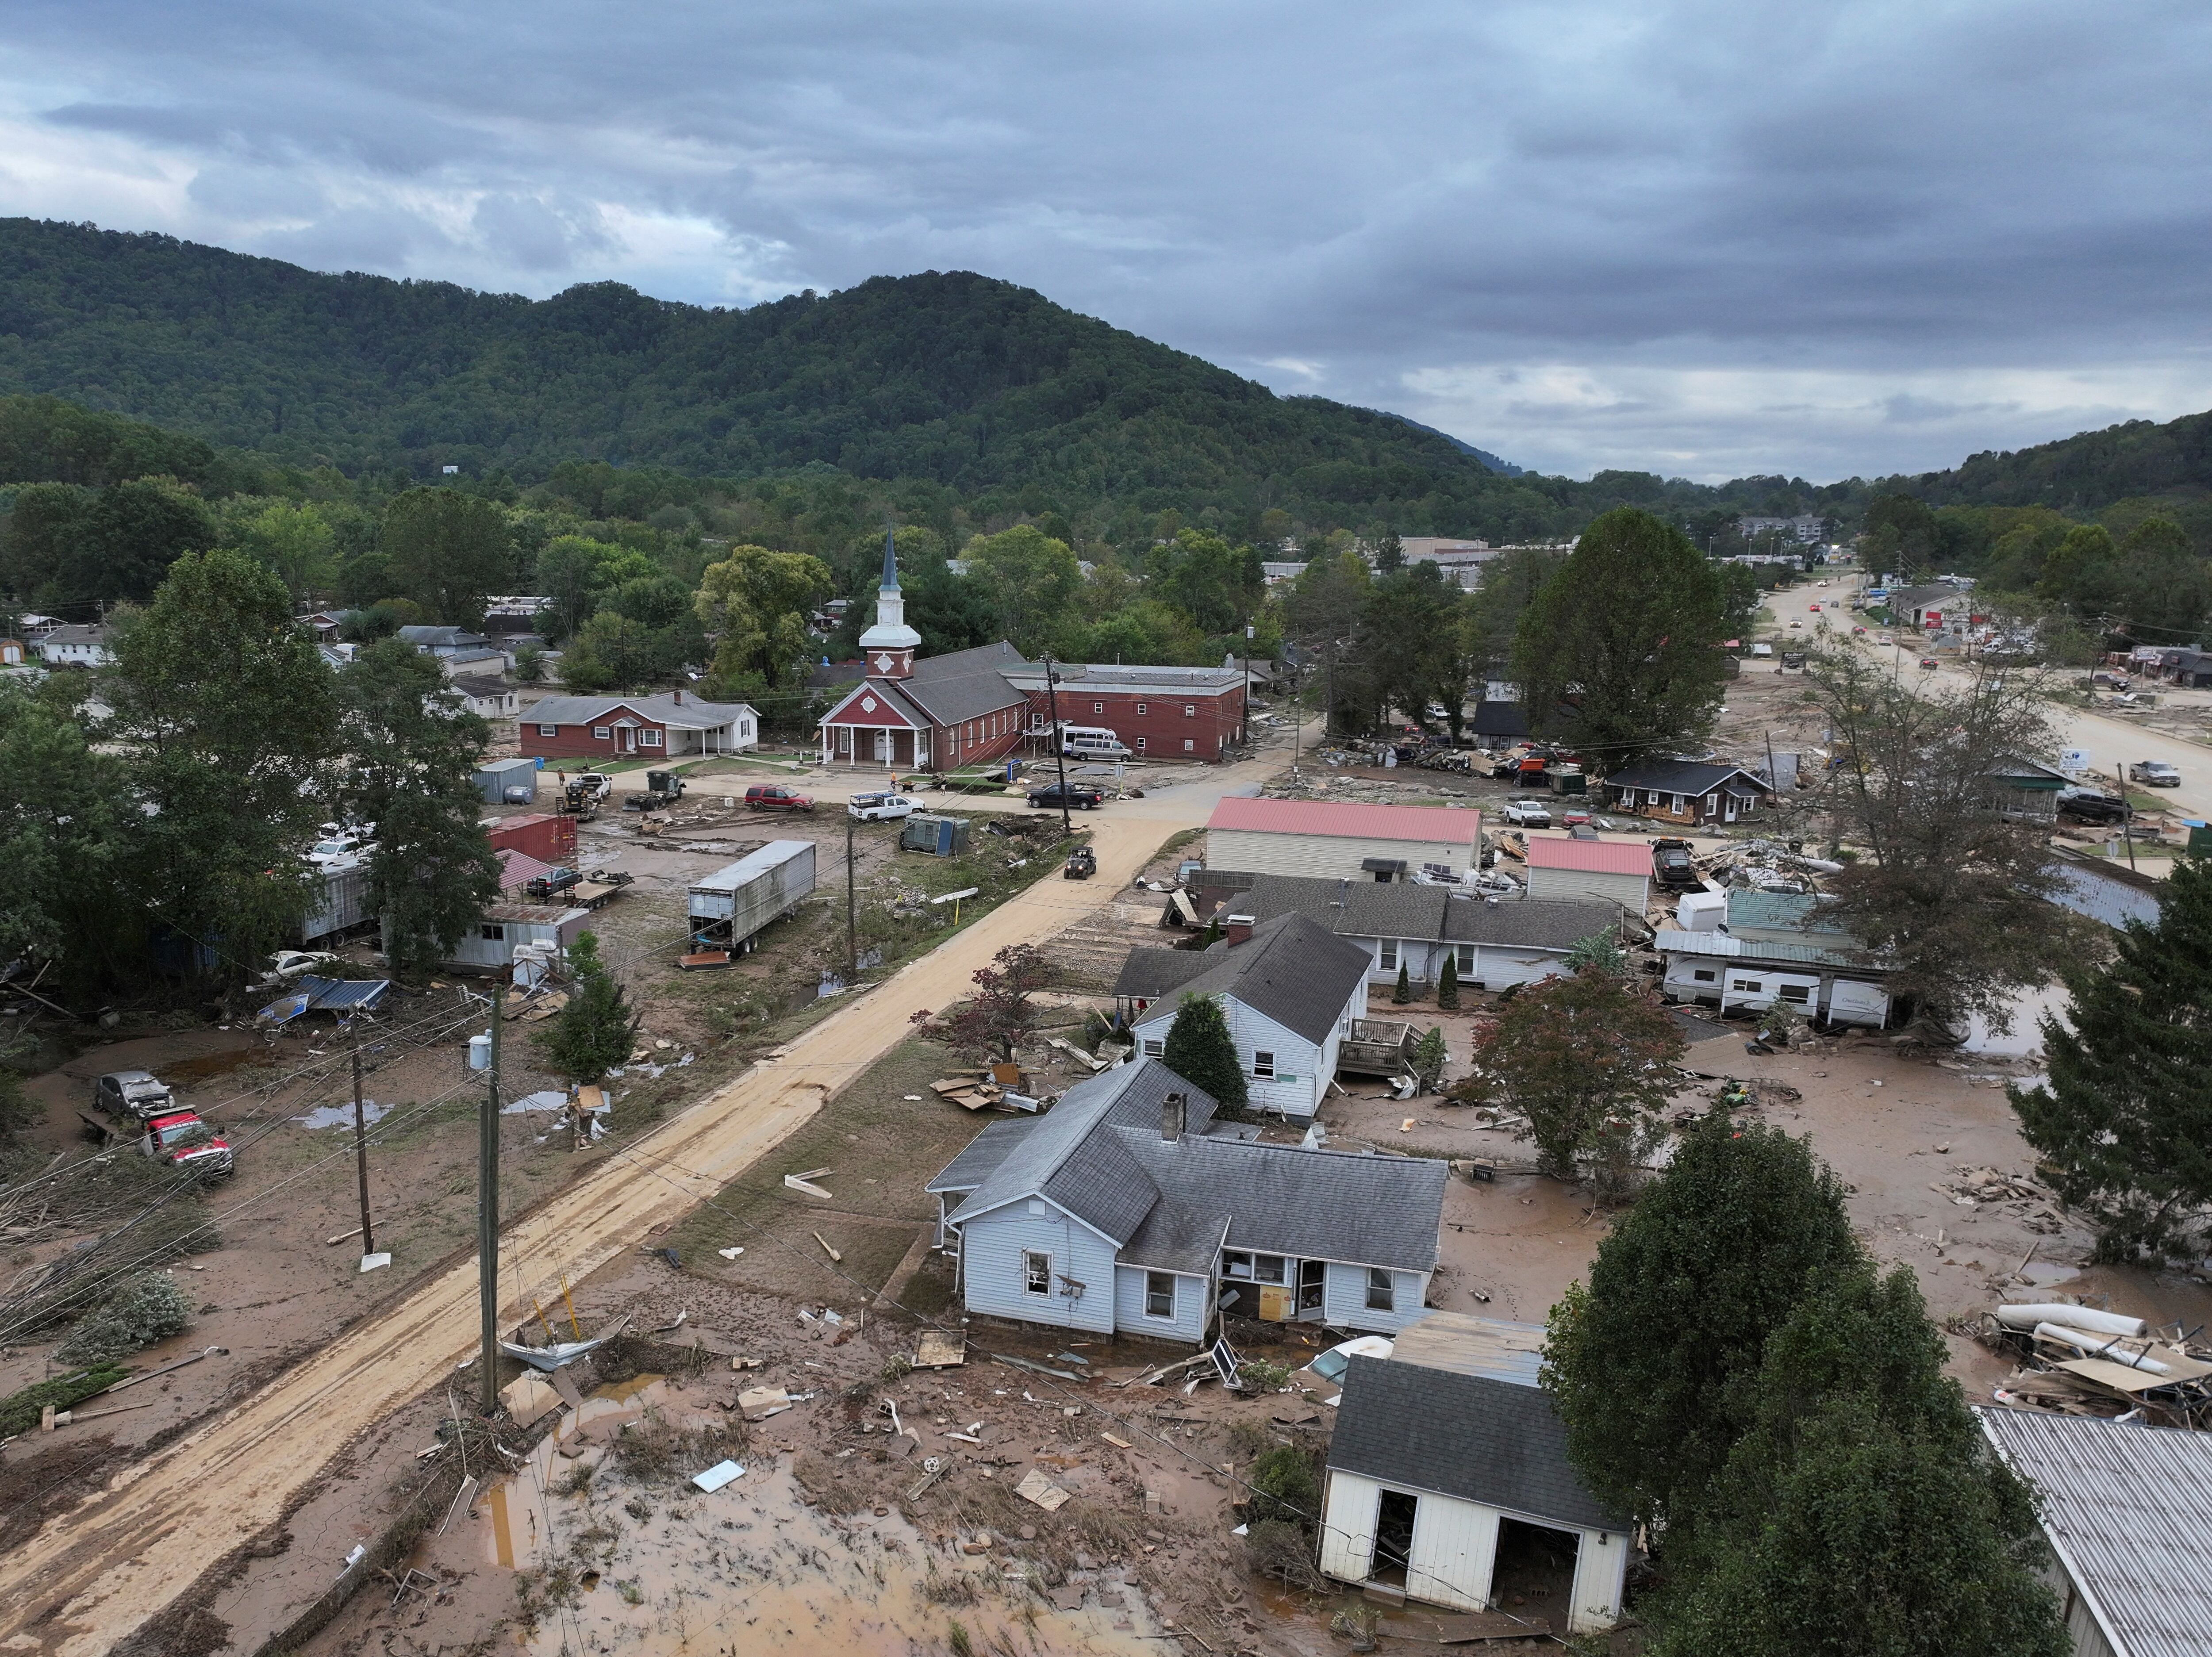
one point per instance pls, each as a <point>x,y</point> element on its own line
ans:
<point>730,906</point>
<point>344,904</point>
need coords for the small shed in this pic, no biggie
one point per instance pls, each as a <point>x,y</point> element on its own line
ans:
<point>1455,1489</point>
<point>507,782</point>
<point>1611,872</point>
<point>490,945</point>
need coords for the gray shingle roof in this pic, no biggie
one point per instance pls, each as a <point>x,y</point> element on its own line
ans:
<point>1539,923</point>
<point>1349,909</point>
<point>1682,777</point>
<point>1290,970</point>
<point>2129,1509</point>
<point>982,1154</point>
<point>1480,1440</point>
<point>1061,1157</point>
<point>1499,719</point>
<point>691,713</point>
<point>964,684</point>
<point>1150,974</point>
<point>1316,1205</point>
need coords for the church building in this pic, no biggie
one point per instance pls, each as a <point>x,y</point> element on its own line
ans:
<point>940,712</point>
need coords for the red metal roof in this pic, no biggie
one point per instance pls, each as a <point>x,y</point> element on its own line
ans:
<point>520,869</point>
<point>1596,857</point>
<point>1348,819</point>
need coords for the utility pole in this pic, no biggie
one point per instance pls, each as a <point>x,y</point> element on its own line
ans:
<point>1058,746</point>
<point>2127,815</point>
<point>361,1149</point>
<point>488,1214</point>
<point>852,927</point>
<point>1244,708</point>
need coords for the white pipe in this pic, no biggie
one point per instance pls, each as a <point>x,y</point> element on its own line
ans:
<point>2091,1346</point>
<point>2071,1317</point>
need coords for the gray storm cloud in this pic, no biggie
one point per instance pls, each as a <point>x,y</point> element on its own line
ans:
<point>1704,238</point>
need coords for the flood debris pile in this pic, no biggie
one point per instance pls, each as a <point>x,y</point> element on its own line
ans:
<point>1973,1187</point>
<point>2083,1360</point>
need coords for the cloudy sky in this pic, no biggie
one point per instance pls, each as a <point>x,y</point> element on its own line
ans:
<point>1704,238</point>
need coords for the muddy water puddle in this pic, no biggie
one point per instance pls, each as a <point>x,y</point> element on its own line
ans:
<point>647,1569</point>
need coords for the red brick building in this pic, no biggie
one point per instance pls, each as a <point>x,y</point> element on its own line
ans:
<point>938,713</point>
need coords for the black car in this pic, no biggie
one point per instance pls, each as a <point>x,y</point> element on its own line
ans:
<point>1079,795</point>
<point>2087,806</point>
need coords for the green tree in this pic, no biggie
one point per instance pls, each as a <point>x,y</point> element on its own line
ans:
<point>1199,1049</point>
<point>1218,586</point>
<point>1510,584</point>
<point>594,1032</point>
<point>529,664</point>
<point>1951,887</point>
<point>610,653</point>
<point>293,538</point>
<point>2127,1111</point>
<point>1447,982</point>
<point>572,571</point>
<point>447,551</point>
<point>1409,647</point>
<point>411,755</point>
<point>1618,655</point>
<point>1430,1056</point>
<point>1652,1364</point>
<point>1028,580</point>
<point>64,811</point>
<point>1403,991</point>
<point>1862,1513</point>
<point>1901,537</point>
<point>759,601</point>
<point>1586,1059</point>
<point>227,715</point>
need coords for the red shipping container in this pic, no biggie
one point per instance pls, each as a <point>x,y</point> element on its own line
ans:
<point>548,838</point>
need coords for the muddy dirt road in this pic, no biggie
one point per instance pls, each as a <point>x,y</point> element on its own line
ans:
<point>89,1579</point>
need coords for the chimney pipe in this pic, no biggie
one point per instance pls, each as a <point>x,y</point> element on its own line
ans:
<point>676,696</point>
<point>1237,929</point>
<point>1172,1117</point>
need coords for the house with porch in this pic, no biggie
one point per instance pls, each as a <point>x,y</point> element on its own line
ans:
<point>1687,792</point>
<point>673,725</point>
<point>1494,941</point>
<point>1128,1209</point>
<point>1287,988</point>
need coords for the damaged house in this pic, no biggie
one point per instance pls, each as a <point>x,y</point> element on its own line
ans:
<point>1494,941</point>
<point>1128,1209</point>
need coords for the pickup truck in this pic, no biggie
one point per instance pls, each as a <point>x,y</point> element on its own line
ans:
<point>1528,813</point>
<point>1081,796</point>
<point>880,808</point>
<point>187,1143</point>
<point>2087,805</point>
<point>2154,773</point>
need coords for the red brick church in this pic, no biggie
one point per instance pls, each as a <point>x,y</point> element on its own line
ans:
<point>940,712</point>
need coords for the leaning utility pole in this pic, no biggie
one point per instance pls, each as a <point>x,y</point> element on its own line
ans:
<point>852,929</point>
<point>487,1213</point>
<point>1059,744</point>
<point>361,1150</point>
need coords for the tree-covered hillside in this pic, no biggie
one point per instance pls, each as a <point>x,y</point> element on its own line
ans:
<point>969,383</point>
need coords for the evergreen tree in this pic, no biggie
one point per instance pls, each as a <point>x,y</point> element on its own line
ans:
<point>593,1033</point>
<point>1447,982</point>
<point>1403,991</point>
<point>2127,1111</point>
<point>1199,1050</point>
<point>1652,1364</point>
<point>1862,1513</point>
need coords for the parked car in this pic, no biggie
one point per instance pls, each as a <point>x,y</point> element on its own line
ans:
<point>550,884</point>
<point>187,1145</point>
<point>2154,773</point>
<point>1528,813</point>
<point>1331,1364</point>
<point>1929,662</point>
<point>290,963</point>
<point>1672,868</point>
<point>1795,622</point>
<point>2087,805</point>
<point>340,850</point>
<point>880,808</point>
<point>1080,796</point>
<point>133,1093</point>
<point>777,797</point>
<point>1575,816</point>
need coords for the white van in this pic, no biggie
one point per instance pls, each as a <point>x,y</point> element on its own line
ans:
<point>1093,741</point>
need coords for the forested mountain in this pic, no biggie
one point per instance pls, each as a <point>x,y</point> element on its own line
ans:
<point>2083,474</point>
<point>972,383</point>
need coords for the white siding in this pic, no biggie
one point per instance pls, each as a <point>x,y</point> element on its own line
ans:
<point>1600,1571</point>
<point>1455,1550</point>
<point>1344,1302</point>
<point>1631,890</point>
<point>1130,1318</point>
<point>1302,1069</point>
<point>1853,1003</point>
<point>991,1247</point>
<point>1329,857</point>
<point>1421,958</point>
<point>1497,965</point>
<point>1348,1535</point>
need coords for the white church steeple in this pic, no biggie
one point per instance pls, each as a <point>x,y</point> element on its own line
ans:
<point>889,644</point>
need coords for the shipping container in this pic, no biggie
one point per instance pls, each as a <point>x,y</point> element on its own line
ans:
<point>499,781</point>
<point>731,905</point>
<point>542,835</point>
<point>944,837</point>
<point>344,904</point>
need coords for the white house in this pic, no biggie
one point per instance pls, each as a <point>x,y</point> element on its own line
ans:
<point>1713,969</point>
<point>1127,1209</point>
<point>2127,1509</point>
<point>1340,839</point>
<point>1609,870</point>
<point>1454,1489</point>
<point>1287,988</point>
<point>73,646</point>
<point>1497,941</point>
<point>489,699</point>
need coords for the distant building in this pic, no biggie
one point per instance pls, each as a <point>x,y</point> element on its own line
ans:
<point>670,727</point>
<point>1808,531</point>
<point>1340,839</point>
<point>73,646</point>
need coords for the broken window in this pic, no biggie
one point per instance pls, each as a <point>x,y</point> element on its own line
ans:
<point>1799,993</point>
<point>1237,1266</point>
<point>1037,1272</point>
<point>1268,1268</point>
<point>1382,1291</point>
<point>1159,1294</point>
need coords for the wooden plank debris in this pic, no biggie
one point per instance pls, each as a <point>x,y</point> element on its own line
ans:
<point>826,1249</point>
<point>1037,1488</point>
<point>938,1350</point>
<point>806,1181</point>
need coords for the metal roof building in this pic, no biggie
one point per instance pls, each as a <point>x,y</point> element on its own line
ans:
<point>1611,872</point>
<point>1338,839</point>
<point>2128,1510</point>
